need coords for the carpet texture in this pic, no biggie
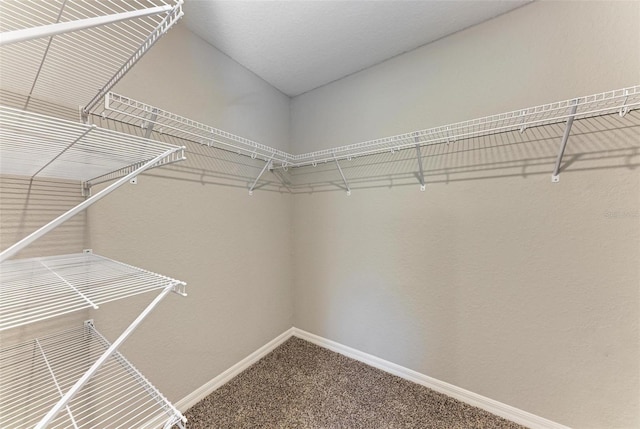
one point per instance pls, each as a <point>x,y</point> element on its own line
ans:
<point>301,385</point>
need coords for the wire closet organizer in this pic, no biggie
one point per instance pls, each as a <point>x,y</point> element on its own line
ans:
<point>66,50</point>
<point>622,101</point>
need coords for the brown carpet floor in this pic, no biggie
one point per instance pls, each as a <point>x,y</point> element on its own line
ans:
<point>301,385</point>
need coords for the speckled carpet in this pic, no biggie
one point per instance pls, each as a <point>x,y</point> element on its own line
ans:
<point>301,385</point>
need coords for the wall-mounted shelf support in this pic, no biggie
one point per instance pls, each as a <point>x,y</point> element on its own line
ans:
<point>176,156</point>
<point>420,170</point>
<point>624,109</point>
<point>267,165</point>
<point>53,412</point>
<point>15,248</point>
<point>344,179</point>
<point>555,177</point>
<point>85,189</point>
<point>148,125</point>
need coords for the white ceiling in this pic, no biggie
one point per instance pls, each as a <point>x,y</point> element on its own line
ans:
<point>297,46</point>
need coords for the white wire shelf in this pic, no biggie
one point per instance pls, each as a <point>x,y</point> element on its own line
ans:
<point>619,101</point>
<point>36,289</point>
<point>78,67</point>
<point>37,373</point>
<point>125,109</point>
<point>36,145</point>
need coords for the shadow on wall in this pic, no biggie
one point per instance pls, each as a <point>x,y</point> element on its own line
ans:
<point>598,143</point>
<point>602,142</point>
<point>26,205</point>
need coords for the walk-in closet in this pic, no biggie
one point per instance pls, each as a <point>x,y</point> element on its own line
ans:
<point>319,214</point>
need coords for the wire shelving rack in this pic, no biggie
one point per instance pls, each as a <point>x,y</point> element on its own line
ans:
<point>37,289</point>
<point>74,51</point>
<point>133,112</point>
<point>36,373</point>
<point>619,101</point>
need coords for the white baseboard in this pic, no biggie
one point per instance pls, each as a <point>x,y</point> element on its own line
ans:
<point>498,408</point>
<point>215,383</point>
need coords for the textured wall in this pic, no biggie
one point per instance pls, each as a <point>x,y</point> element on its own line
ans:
<point>196,222</point>
<point>542,52</point>
<point>494,279</point>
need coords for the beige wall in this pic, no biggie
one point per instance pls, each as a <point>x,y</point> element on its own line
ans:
<point>24,207</point>
<point>493,279</point>
<point>195,221</point>
<point>542,52</point>
<point>185,75</point>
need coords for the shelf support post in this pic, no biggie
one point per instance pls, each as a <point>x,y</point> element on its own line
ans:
<point>624,109</point>
<point>344,179</point>
<point>253,185</point>
<point>53,412</point>
<point>555,177</point>
<point>12,250</point>
<point>420,171</point>
<point>151,122</point>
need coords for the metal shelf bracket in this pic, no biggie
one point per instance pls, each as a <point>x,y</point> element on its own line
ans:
<point>85,189</point>
<point>344,179</point>
<point>420,170</point>
<point>148,125</point>
<point>523,127</point>
<point>624,109</point>
<point>555,177</point>
<point>267,165</point>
